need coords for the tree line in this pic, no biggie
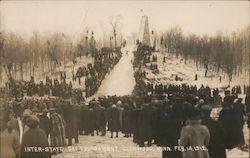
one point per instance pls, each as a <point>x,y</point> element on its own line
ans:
<point>228,53</point>
<point>41,54</point>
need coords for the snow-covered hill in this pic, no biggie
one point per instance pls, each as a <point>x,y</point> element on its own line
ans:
<point>186,70</point>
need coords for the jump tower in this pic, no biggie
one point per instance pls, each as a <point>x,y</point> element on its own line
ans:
<point>144,34</point>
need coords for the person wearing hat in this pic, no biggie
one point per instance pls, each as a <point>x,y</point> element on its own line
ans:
<point>173,125</point>
<point>90,129</point>
<point>126,127</point>
<point>35,138</point>
<point>103,121</point>
<point>194,135</point>
<point>161,117</point>
<point>134,121</point>
<point>240,106</point>
<point>114,120</point>
<point>120,109</point>
<point>45,122</point>
<point>145,125</point>
<point>239,110</point>
<point>57,135</point>
<point>71,128</point>
<point>25,128</point>
<point>216,147</point>
<point>97,115</point>
<point>231,119</point>
<point>84,119</point>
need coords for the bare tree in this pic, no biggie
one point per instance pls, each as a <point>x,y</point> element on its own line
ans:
<point>1,54</point>
<point>115,24</point>
<point>105,39</point>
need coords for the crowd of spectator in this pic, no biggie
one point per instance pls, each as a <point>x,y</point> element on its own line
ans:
<point>151,118</point>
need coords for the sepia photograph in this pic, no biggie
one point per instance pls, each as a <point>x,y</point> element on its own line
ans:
<point>124,79</point>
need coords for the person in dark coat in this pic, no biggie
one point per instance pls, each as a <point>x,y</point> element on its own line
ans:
<point>247,102</point>
<point>145,125</point>
<point>240,106</point>
<point>97,115</point>
<point>34,137</point>
<point>216,147</point>
<point>114,120</point>
<point>158,124</point>
<point>163,115</point>
<point>84,119</point>
<point>90,123</point>
<point>40,89</point>
<point>103,121</point>
<point>239,112</point>
<point>134,118</point>
<point>108,110</point>
<point>45,122</point>
<point>231,120</point>
<point>174,124</point>
<point>71,129</point>
<point>126,127</point>
<point>78,116</point>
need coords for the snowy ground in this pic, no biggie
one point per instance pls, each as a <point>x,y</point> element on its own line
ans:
<point>106,147</point>
<point>177,66</point>
<point>69,68</point>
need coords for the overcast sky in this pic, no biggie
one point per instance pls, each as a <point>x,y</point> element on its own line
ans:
<point>68,16</point>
